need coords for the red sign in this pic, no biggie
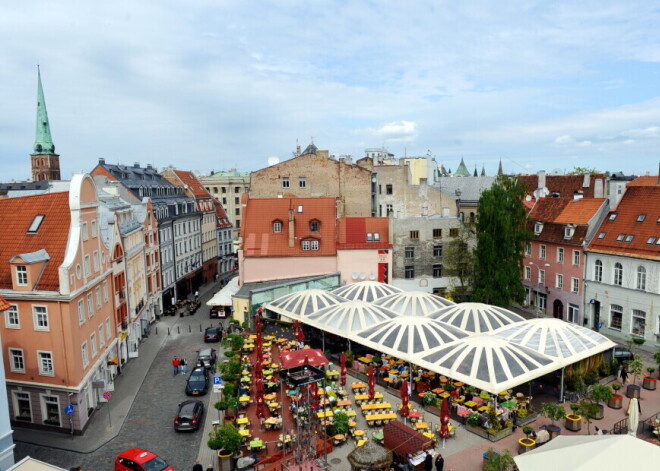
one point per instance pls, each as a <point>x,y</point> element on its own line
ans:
<point>107,395</point>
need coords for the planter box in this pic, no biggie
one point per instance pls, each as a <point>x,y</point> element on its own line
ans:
<point>433,410</point>
<point>632,391</point>
<point>531,417</point>
<point>608,379</point>
<point>525,445</point>
<point>599,415</point>
<point>480,431</point>
<point>573,423</point>
<point>616,402</point>
<point>553,430</point>
<point>483,433</point>
<point>649,383</point>
<point>488,456</point>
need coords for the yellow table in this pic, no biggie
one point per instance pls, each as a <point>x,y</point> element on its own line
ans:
<point>393,372</point>
<point>331,374</point>
<point>270,397</point>
<point>365,360</point>
<point>421,425</point>
<point>359,433</point>
<point>361,442</point>
<point>244,433</point>
<point>483,408</point>
<point>323,415</point>
<point>428,435</point>
<point>365,397</point>
<point>445,395</point>
<point>388,416</point>
<point>470,404</point>
<point>253,336</point>
<point>248,346</point>
<point>273,405</point>
<point>358,385</point>
<point>384,405</point>
<point>269,337</point>
<point>244,399</point>
<point>351,413</point>
<point>243,421</point>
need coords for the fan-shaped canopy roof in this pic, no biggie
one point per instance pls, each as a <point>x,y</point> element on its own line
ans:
<point>349,316</point>
<point>303,303</point>
<point>413,303</point>
<point>560,340</point>
<point>488,362</point>
<point>408,336</point>
<point>366,291</point>
<point>477,317</point>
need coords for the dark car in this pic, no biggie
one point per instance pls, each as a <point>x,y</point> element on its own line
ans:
<point>207,357</point>
<point>198,382</point>
<point>622,354</point>
<point>189,416</point>
<point>212,334</point>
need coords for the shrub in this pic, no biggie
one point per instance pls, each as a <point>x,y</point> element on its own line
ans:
<point>340,424</point>
<point>591,377</point>
<point>605,369</point>
<point>527,430</point>
<point>225,438</point>
<point>429,399</point>
<point>473,419</point>
<point>522,413</point>
<point>552,411</point>
<point>601,393</point>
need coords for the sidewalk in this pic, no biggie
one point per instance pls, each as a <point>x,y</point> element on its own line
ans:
<point>106,425</point>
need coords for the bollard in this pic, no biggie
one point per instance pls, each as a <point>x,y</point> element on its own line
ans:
<point>189,331</point>
<point>168,331</point>
<point>178,329</point>
<point>156,330</point>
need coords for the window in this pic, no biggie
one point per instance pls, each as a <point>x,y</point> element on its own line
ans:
<point>85,354</point>
<point>437,250</point>
<point>223,189</point>
<point>630,237</point>
<point>285,183</point>
<point>575,285</point>
<point>215,189</point>
<point>573,313</point>
<point>389,208</point>
<point>40,317</point>
<point>98,297</point>
<point>437,271</point>
<point>410,252</point>
<point>237,211</point>
<point>528,249</point>
<point>568,232</point>
<point>376,236</point>
<point>315,245</point>
<point>237,200</point>
<point>21,275</point>
<point>314,226</point>
<point>90,305</point>
<point>641,278</point>
<point>12,321</point>
<point>453,232</point>
<point>36,222</point>
<point>576,258</point>
<point>108,332</point>
<point>50,407</point>
<point>22,406</point>
<point>370,237</point>
<point>92,342</point>
<point>388,189</point>
<point>612,217</point>
<point>45,363</point>
<point>224,200</point>
<point>651,240</point>
<point>88,270</point>
<point>559,281</point>
<point>85,235</point>
<point>101,335</point>
<point>16,360</point>
<point>237,189</point>
<point>437,233</point>
<point>598,271</point>
<point>105,291</point>
<point>94,230</point>
<point>638,322</point>
<point>409,272</point>
<point>542,252</point>
<point>414,235</point>
<point>81,312</point>
<point>618,274</point>
<point>602,235</point>
<point>538,227</point>
<point>620,237</point>
<point>302,182</point>
<point>541,277</point>
<point>277,227</point>
<point>528,273</point>
<point>616,316</point>
<point>560,255</point>
<point>641,218</point>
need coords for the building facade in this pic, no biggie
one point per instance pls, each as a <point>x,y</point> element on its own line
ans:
<point>6,432</point>
<point>227,188</point>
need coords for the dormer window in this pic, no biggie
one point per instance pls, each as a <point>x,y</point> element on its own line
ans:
<point>21,275</point>
<point>376,236</point>
<point>277,227</point>
<point>568,232</point>
<point>651,240</point>
<point>630,237</point>
<point>314,226</point>
<point>612,217</point>
<point>310,244</point>
<point>620,237</point>
<point>641,218</point>
<point>602,235</point>
<point>538,227</point>
<point>370,237</point>
<point>36,222</point>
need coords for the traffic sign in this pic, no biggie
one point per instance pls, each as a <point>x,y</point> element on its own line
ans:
<point>68,410</point>
<point>107,395</point>
<point>217,380</point>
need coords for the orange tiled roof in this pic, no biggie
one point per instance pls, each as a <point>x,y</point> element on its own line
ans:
<point>194,185</point>
<point>18,214</point>
<point>4,305</point>
<point>259,240</point>
<point>352,233</point>
<point>580,211</point>
<point>646,180</point>
<point>221,215</point>
<point>637,201</point>
<point>548,209</point>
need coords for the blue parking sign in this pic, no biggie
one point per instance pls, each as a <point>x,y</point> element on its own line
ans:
<point>68,410</point>
<point>217,380</point>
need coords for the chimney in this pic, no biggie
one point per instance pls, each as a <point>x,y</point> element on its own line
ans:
<point>577,195</point>
<point>598,188</point>
<point>136,164</point>
<point>541,183</point>
<point>101,161</point>
<point>149,166</point>
<point>292,232</point>
<point>586,183</point>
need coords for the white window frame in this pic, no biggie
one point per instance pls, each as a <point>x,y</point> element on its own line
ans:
<point>94,229</point>
<point>277,227</point>
<point>541,277</point>
<point>638,314</point>
<point>286,182</point>
<point>15,353</point>
<point>84,354</point>
<point>618,309</point>
<point>302,182</point>
<point>105,291</point>
<point>640,282</point>
<point>598,271</point>
<point>617,274</point>
<point>81,311</point>
<point>560,254</point>
<point>21,275</point>
<point>101,335</point>
<point>315,244</point>
<point>108,331</point>
<point>25,395</point>
<point>92,344</point>
<point>83,228</point>
<point>576,258</point>
<point>528,249</point>
<point>306,244</point>
<point>43,402</point>
<point>42,361</point>
<point>12,317</point>
<point>574,313</point>
<point>575,285</point>
<point>97,261</point>
<point>37,316</point>
<point>528,273</point>
<point>559,281</point>
<point>97,292</point>
<point>87,266</point>
<point>90,305</point>
<point>542,252</point>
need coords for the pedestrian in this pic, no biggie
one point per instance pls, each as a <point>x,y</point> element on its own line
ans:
<point>197,466</point>
<point>183,365</point>
<point>209,468</point>
<point>439,463</point>
<point>175,365</point>
<point>624,374</point>
<point>196,294</point>
<point>428,462</point>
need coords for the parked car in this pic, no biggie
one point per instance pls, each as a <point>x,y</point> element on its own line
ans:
<point>207,357</point>
<point>189,416</point>
<point>137,459</point>
<point>622,354</point>
<point>198,382</point>
<point>212,334</point>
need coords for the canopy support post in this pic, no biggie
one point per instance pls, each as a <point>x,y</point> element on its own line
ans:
<point>561,386</point>
<point>323,341</point>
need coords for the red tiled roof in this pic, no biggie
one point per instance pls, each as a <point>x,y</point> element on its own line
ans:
<point>194,185</point>
<point>402,439</point>
<point>646,180</point>
<point>221,215</point>
<point>565,185</point>
<point>547,209</point>
<point>4,305</point>
<point>637,201</point>
<point>17,214</point>
<point>352,233</point>
<point>580,211</point>
<point>259,240</point>
<point>555,233</point>
<point>101,170</point>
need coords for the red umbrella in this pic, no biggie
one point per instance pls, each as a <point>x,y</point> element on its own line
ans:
<point>261,412</point>
<point>297,332</point>
<point>314,395</point>
<point>405,410</point>
<point>257,325</point>
<point>372,381</point>
<point>444,419</point>
<point>258,370</point>
<point>342,369</point>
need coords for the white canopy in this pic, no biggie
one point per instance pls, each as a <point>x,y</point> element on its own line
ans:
<point>349,316</point>
<point>413,303</point>
<point>408,336</point>
<point>366,290</point>
<point>490,363</point>
<point>303,303</point>
<point>589,452</point>
<point>477,317</point>
<point>223,297</point>
<point>558,339</point>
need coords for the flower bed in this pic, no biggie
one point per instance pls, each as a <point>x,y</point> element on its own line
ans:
<point>493,437</point>
<point>528,419</point>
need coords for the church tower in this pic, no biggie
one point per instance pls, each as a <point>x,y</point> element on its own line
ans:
<point>45,162</point>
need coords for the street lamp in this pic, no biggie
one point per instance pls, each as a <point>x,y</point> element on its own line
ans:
<point>538,292</point>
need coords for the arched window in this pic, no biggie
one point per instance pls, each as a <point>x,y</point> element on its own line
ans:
<point>277,226</point>
<point>314,225</point>
<point>598,271</point>
<point>641,278</point>
<point>618,274</point>
<point>471,218</point>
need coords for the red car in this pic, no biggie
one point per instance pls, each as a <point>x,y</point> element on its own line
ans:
<point>136,459</point>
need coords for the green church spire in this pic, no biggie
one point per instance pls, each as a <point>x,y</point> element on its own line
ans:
<point>462,170</point>
<point>43,143</point>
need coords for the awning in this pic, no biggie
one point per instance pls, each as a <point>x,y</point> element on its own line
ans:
<point>402,439</point>
<point>223,297</point>
<point>312,356</point>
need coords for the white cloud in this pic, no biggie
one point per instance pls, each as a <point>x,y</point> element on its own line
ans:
<point>396,131</point>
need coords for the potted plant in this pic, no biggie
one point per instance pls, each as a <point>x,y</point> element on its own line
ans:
<point>526,444</point>
<point>226,439</point>
<point>340,424</point>
<point>656,357</point>
<point>527,430</point>
<point>494,461</point>
<point>635,367</point>
<point>616,402</point>
<point>600,393</point>
<point>648,382</point>
<point>350,357</point>
<point>588,411</point>
<point>490,457</point>
<point>573,421</point>
<point>429,399</point>
<point>473,419</point>
<point>554,412</point>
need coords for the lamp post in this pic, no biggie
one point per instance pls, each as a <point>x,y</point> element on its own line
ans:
<point>538,291</point>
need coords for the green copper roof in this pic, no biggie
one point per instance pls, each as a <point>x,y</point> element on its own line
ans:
<point>43,143</point>
<point>462,170</point>
<point>231,173</point>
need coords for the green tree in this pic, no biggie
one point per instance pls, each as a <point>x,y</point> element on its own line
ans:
<point>502,234</point>
<point>458,258</point>
<point>583,171</point>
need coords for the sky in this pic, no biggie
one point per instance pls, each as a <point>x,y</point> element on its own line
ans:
<point>214,85</point>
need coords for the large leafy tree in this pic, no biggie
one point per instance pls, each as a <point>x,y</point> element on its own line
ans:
<point>501,238</point>
<point>458,258</point>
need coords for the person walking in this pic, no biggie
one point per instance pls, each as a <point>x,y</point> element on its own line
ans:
<point>210,468</point>
<point>197,466</point>
<point>428,462</point>
<point>624,374</point>
<point>175,365</point>
<point>183,365</point>
<point>439,463</point>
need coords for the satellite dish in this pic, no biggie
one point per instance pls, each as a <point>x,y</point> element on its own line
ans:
<point>372,276</point>
<point>354,276</point>
<point>273,160</point>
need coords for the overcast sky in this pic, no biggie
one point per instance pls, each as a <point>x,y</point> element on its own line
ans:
<point>213,85</point>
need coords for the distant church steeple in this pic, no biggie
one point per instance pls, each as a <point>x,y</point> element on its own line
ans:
<point>462,170</point>
<point>499,169</point>
<point>45,162</point>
